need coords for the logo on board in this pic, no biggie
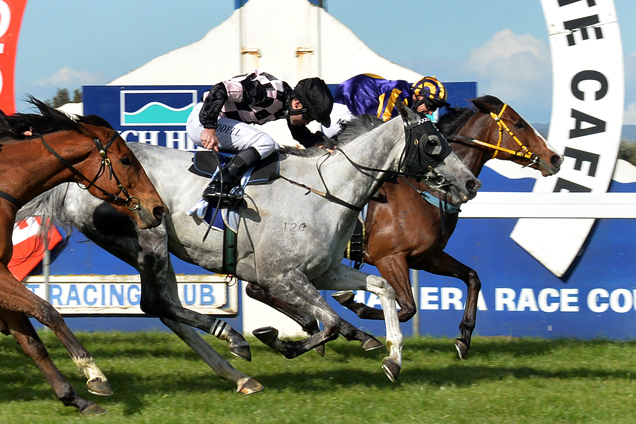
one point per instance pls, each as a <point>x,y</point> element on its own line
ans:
<point>156,107</point>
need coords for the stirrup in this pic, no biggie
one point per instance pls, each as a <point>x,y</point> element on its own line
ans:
<point>215,190</point>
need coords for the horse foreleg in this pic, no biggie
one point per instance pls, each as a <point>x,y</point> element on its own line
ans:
<point>18,325</point>
<point>244,384</point>
<point>395,270</point>
<point>294,288</point>
<point>16,297</point>
<point>345,278</point>
<point>444,264</point>
<point>307,322</point>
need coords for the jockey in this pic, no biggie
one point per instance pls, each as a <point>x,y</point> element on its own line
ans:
<point>222,120</point>
<point>374,95</point>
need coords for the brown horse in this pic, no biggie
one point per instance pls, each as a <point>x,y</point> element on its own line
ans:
<point>38,152</point>
<point>405,230</point>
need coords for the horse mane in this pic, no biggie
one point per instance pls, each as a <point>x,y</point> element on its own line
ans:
<point>352,129</point>
<point>487,104</point>
<point>47,121</point>
<point>303,153</point>
<point>453,119</point>
<point>94,120</point>
<point>359,125</point>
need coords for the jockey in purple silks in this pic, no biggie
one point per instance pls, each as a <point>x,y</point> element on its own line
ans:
<point>374,95</point>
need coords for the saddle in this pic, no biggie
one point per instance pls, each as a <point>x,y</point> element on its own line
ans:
<point>204,164</point>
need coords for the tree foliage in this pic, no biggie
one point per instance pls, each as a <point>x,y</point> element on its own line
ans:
<point>62,97</point>
<point>627,151</point>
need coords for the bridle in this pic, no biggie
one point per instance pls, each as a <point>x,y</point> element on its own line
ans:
<point>523,152</point>
<point>131,202</point>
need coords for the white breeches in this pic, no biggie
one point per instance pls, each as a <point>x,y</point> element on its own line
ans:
<point>232,134</point>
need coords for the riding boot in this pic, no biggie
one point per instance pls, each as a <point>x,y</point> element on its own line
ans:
<point>230,175</point>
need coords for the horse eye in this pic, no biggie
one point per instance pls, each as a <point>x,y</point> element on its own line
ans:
<point>520,125</point>
<point>433,145</point>
<point>125,161</point>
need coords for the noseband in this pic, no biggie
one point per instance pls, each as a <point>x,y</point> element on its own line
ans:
<point>131,203</point>
<point>524,152</point>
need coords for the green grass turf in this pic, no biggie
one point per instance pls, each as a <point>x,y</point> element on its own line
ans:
<point>157,379</point>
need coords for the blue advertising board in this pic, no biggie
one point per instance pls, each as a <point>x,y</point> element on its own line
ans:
<point>520,297</point>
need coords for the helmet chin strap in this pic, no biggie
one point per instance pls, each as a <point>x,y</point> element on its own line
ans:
<point>290,110</point>
<point>417,103</point>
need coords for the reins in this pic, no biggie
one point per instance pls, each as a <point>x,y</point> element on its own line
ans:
<point>524,152</point>
<point>410,134</point>
<point>325,194</point>
<point>131,202</point>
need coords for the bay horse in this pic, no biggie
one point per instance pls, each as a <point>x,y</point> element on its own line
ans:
<point>37,153</point>
<point>406,231</point>
<point>290,236</point>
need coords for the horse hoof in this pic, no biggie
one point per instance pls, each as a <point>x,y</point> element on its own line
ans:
<point>99,387</point>
<point>343,297</point>
<point>371,344</point>
<point>462,348</point>
<point>242,350</point>
<point>320,349</point>
<point>249,386</point>
<point>267,335</point>
<point>93,410</point>
<point>391,368</point>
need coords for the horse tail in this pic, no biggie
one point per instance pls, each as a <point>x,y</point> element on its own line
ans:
<point>50,207</point>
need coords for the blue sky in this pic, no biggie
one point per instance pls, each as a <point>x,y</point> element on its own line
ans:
<point>69,43</point>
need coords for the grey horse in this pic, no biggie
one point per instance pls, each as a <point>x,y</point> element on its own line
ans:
<point>290,240</point>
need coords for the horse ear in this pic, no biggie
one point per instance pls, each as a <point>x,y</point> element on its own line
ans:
<point>405,112</point>
<point>487,104</point>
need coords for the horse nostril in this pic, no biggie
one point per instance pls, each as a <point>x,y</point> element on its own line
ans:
<point>556,160</point>
<point>160,212</point>
<point>473,185</point>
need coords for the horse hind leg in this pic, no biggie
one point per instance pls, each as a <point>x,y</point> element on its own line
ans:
<point>307,323</point>
<point>160,297</point>
<point>444,264</point>
<point>244,384</point>
<point>18,325</point>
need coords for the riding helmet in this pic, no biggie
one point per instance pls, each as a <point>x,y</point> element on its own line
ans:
<point>316,97</point>
<point>432,89</point>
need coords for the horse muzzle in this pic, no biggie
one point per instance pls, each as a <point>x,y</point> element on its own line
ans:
<point>149,217</point>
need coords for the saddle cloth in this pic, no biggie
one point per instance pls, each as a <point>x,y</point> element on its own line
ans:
<point>205,164</point>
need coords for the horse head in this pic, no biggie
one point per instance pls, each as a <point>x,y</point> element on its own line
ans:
<point>96,156</point>
<point>428,156</point>
<point>120,179</point>
<point>511,137</point>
